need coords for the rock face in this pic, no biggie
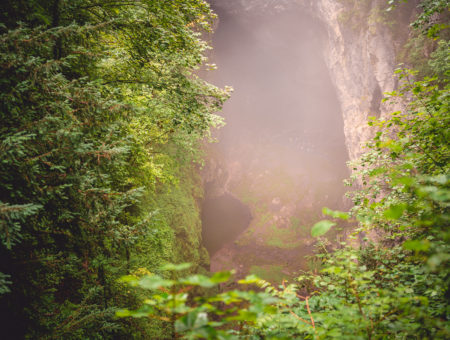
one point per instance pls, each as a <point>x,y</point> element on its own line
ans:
<point>361,62</point>
<point>283,158</point>
<point>361,65</point>
<point>361,59</point>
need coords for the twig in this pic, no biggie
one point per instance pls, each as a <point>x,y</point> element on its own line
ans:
<point>301,297</point>
<point>310,315</point>
<point>299,318</point>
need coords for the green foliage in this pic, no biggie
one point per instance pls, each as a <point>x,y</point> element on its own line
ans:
<point>427,48</point>
<point>101,117</point>
<point>335,214</point>
<point>320,228</point>
<point>440,61</point>
<point>399,285</point>
<point>427,18</point>
<point>200,317</point>
<point>4,283</point>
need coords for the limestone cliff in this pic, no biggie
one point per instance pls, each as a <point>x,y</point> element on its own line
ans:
<point>360,54</point>
<point>361,59</point>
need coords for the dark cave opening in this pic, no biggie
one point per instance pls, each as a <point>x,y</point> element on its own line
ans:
<point>223,218</point>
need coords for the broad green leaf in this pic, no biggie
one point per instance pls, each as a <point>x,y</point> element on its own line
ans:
<point>244,315</point>
<point>250,279</point>
<point>377,171</point>
<point>335,213</point>
<point>395,211</point>
<point>440,179</point>
<point>417,245</point>
<point>199,280</point>
<point>220,277</point>
<point>130,279</point>
<point>121,313</point>
<point>155,282</point>
<point>320,228</point>
<point>437,259</point>
<point>191,320</point>
<point>335,333</point>
<point>176,267</point>
<point>408,181</point>
<point>442,195</point>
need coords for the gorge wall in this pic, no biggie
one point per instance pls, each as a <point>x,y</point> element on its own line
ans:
<point>360,53</point>
<point>361,56</point>
<point>285,158</point>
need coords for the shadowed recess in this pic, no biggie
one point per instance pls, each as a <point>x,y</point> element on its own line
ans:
<point>223,217</point>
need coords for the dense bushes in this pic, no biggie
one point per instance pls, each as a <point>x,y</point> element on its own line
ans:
<point>101,114</point>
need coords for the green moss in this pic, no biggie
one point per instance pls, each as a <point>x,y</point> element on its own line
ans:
<point>264,219</point>
<point>295,222</point>
<point>301,229</point>
<point>173,228</point>
<point>286,238</point>
<point>246,238</point>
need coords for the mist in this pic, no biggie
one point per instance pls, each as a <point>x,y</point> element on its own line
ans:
<point>282,151</point>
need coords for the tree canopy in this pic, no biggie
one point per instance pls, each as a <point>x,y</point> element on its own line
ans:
<point>102,112</point>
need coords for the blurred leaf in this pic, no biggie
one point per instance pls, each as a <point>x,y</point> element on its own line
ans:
<point>199,280</point>
<point>220,277</point>
<point>395,211</point>
<point>250,279</point>
<point>121,313</point>
<point>335,213</point>
<point>191,320</point>
<point>155,282</point>
<point>176,267</point>
<point>243,315</point>
<point>322,227</point>
<point>417,245</point>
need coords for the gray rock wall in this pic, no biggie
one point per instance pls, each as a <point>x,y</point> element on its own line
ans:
<point>361,62</point>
